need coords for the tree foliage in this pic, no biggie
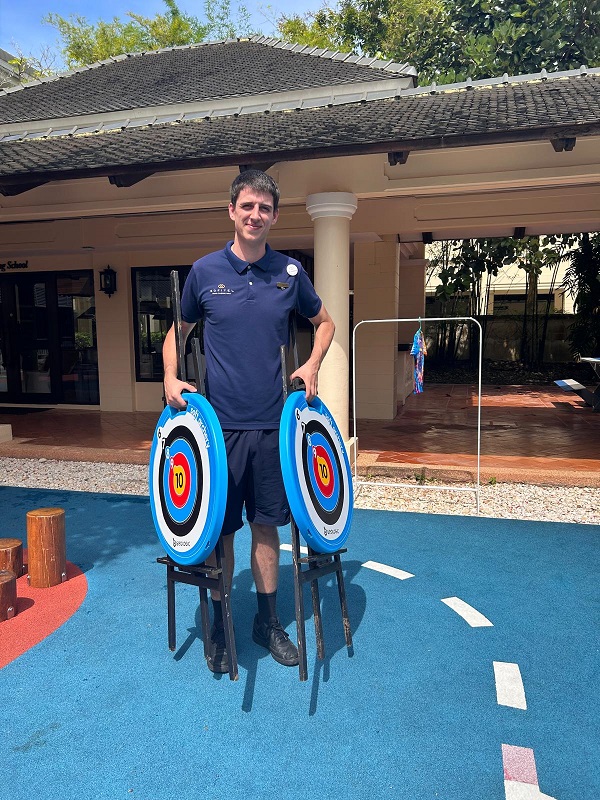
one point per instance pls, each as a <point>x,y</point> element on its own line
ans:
<point>465,270</point>
<point>582,280</point>
<point>84,42</point>
<point>29,67</point>
<point>449,40</point>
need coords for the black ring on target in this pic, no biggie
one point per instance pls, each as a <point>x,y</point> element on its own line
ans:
<point>316,473</point>
<point>188,480</point>
<point>329,517</point>
<point>180,432</point>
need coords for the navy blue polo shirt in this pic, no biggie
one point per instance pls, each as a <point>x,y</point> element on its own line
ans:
<point>246,309</point>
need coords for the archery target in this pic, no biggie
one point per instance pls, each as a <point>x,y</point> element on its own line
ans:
<point>188,480</point>
<point>316,473</point>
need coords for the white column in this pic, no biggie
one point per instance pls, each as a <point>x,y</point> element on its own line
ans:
<point>331,213</point>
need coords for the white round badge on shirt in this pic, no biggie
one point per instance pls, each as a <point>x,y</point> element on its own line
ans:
<point>292,269</point>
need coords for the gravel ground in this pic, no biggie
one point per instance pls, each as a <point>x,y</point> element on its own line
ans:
<point>502,500</point>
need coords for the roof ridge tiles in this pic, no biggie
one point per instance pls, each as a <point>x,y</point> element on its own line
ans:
<point>541,110</point>
<point>375,63</point>
<point>330,96</point>
<point>504,80</point>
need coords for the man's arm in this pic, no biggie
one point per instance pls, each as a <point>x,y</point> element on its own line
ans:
<point>173,386</point>
<point>309,371</point>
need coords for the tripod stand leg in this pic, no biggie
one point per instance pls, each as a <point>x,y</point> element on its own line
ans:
<point>299,602</point>
<point>343,603</point>
<point>316,600</point>
<point>205,619</point>
<point>225,592</point>
<point>171,607</point>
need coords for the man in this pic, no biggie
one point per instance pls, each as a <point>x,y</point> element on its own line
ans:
<point>245,295</point>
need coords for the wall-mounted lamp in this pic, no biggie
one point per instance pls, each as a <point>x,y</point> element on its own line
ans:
<point>108,281</point>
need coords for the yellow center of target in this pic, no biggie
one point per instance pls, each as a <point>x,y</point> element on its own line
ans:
<point>179,480</point>
<point>323,471</point>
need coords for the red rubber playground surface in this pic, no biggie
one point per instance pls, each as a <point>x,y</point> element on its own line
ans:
<point>473,673</point>
<point>40,612</point>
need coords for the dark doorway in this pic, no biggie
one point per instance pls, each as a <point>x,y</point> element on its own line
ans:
<point>48,351</point>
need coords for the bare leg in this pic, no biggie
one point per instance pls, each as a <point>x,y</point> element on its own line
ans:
<point>265,557</point>
<point>267,630</point>
<point>229,558</point>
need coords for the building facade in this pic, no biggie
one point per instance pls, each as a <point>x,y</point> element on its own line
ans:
<point>126,166</point>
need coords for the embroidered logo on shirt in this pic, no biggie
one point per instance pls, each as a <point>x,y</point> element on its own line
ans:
<point>222,289</point>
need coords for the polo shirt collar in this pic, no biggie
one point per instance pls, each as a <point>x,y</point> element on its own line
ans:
<point>239,265</point>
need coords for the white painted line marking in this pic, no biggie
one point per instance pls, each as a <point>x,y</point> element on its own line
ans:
<point>524,791</point>
<point>509,685</point>
<point>467,612</point>
<point>395,573</point>
<point>303,550</point>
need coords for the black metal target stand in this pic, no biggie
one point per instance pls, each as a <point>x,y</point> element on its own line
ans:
<point>204,576</point>
<point>308,569</point>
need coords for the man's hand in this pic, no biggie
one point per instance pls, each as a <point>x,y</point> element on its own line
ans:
<point>173,386</point>
<point>309,371</point>
<point>173,389</point>
<point>309,374</point>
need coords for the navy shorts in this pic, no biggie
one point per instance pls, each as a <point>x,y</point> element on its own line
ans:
<point>255,480</point>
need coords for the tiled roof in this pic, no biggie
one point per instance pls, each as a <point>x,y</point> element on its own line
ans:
<point>200,72</point>
<point>502,110</point>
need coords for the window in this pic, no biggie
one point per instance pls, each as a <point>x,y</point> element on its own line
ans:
<point>152,317</point>
<point>77,337</point>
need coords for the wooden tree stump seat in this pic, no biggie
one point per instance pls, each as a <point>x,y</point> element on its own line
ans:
<point>46,547</point>
<point>11,556</point>
<point>8,594</point>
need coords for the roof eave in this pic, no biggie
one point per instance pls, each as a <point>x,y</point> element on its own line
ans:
<point>550,134</point>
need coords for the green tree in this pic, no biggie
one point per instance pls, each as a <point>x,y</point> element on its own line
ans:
<point>465,275</point>
<point>29,67</point>
<point>536,254</point>
<point>226,21</point>
<point>465,270</point>
<point>84,42</point>
<point>387,28</point>
<point>582,280</point>
<point>450,40</point>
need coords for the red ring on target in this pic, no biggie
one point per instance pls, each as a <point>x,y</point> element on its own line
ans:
<point>180,480</point>
<point>323,471</point>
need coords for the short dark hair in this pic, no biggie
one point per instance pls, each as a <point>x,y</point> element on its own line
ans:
<point>258,181</point>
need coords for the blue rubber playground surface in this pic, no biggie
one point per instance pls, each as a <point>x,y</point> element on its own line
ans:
<point>492,694</point>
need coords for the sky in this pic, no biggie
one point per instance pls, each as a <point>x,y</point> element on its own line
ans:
<point>21,20</point>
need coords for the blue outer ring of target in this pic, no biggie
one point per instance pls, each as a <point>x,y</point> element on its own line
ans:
<point>291,472</point>
<point>218,479</point>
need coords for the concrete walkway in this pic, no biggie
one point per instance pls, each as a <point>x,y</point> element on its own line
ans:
<point>529,434</point>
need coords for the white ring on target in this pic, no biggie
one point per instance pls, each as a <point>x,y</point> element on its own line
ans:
<point>336,530</point>
<point>182,544</point>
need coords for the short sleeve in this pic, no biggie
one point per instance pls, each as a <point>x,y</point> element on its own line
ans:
<point>308,302</point>
<point>191,307</point>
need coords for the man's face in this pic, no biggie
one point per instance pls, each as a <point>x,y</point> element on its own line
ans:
<point>253,216</point>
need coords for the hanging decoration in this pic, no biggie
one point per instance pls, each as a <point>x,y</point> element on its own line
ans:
<point>418,351</point>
